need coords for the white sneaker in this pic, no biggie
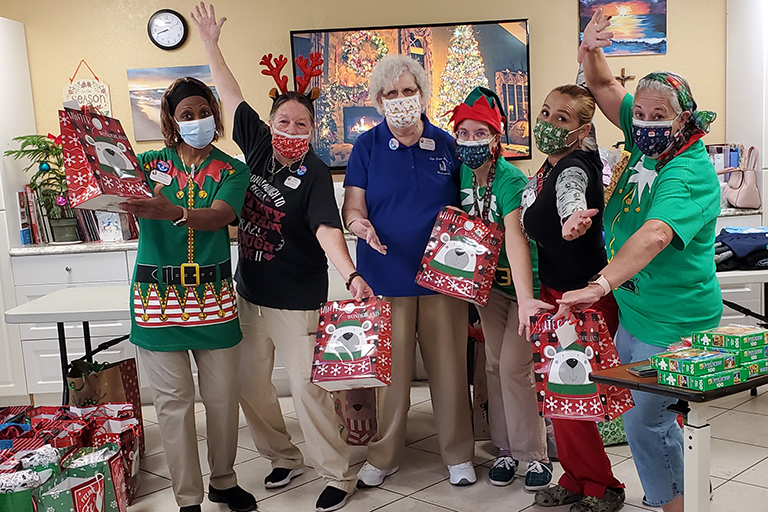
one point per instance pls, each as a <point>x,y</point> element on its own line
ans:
<point>371,476</point>
<point>462,474</point>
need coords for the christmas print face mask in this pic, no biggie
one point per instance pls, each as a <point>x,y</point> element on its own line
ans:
<point>473,153</point>
<point>652,137</point>
<point>289,146</point>
<point>199,132</point>
<point>551,139</point>
<point>402,112</point>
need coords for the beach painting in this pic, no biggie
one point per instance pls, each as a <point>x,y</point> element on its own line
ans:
<point>639,26</point>
<point>146,88</point>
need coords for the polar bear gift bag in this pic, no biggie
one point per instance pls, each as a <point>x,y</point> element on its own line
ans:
<point>461,256</point>
<point>101,168</point>
<point>353,348</point>
<point>565,352</point>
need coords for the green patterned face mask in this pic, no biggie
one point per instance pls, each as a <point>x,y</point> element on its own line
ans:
<point>551,139</point>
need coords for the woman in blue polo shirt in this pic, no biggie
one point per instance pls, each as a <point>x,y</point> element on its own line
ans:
<point>400,174</point>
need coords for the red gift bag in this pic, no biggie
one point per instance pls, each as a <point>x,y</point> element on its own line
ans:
<point>461,256</point>
<point>126,434</point>
<point>14,413</point>
<point>102,170</point>
<point>357,409</point>
<point>69,433</point>
<point>564,354</point>
<point>354,345</point>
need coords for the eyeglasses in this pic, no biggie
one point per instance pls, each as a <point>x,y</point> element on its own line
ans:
<point>394,93</point>
<point>463,134</point>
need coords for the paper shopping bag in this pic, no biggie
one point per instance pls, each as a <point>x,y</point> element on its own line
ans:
<point>105,460</point>
<point>354,345</point>
<point>565,352</point>
<point>126,434</point>
<point>69,493</point>
<point>357,409</point>
<point>101,168</point>
<point>461,256</point>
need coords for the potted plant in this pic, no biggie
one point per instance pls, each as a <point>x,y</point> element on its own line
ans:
<point>48,182</point>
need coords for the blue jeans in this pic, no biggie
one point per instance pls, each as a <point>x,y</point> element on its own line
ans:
<point>653,434</point>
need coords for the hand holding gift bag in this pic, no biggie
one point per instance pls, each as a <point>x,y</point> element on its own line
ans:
<point>565,352</point>
<point>461,256</point>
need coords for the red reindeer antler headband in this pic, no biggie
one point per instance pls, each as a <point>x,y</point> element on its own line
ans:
<point>309,68</point>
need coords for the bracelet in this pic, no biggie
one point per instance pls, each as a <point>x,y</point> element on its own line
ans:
<point>602,282</point>
<point>351,277</point>
<point>183,219</point>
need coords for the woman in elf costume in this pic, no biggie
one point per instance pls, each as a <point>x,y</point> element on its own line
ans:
<point>492,187</point>
<point>183,298</point>
<point>289,223</point>
<point>562,211</point>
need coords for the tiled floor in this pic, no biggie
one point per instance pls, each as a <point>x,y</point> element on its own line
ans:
<point>739,468</point>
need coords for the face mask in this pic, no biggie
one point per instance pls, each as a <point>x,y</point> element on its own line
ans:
<point>402,112</point>
<point>198,133</point>
<point>289,146</point>
<point>473,153</point>
<point>551,139</point>
<point>652,137</point>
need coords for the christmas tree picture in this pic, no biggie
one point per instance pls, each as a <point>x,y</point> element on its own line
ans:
<point>464,70</point>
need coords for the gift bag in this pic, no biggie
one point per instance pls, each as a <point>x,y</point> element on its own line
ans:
<point>104,460</point>
<point>14,413</point>
<point>16,489</point>
<point>564,354</point>
<point>353,348</point>
<point>357,409</point>
<point>96,384</point>
<point>126,434</point>
<point>70,433</point>
<point>461,256</point>
<point>478,377</point>
<point>612,432</point>
<point>102,170</point>
<point>69,493</point>
<point>9,432</point>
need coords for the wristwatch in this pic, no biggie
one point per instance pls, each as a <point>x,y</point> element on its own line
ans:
<point>603,282</point>
<point>184,217</point>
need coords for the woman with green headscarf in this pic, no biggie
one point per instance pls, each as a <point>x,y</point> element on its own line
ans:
<point>660,233</point>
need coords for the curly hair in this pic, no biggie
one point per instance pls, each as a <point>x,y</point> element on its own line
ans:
<point>388,71</point>
<point>168,126</point>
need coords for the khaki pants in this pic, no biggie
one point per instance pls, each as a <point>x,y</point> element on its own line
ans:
<point>513,411</point>
<point>292,334</point>
<point>173,390</point>
<point>440,325</point>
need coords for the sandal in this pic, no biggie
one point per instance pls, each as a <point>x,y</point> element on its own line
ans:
<point>555,496</point>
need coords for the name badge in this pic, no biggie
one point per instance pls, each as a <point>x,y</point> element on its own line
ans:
<point>160,177</point>
<point>292,182</point>
<point>427,144</point>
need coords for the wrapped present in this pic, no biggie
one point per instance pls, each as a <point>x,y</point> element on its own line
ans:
<point>9,432</point>
<point>357,409</point>
<point>736,337</point>
<point>704,382</point>
<point>565,352</point>
<point>461,256</point>
<point>101,168</point>
<point>126,434</point>
<point>353,348</point>
<point>693,361</point>
<point>104,460</point>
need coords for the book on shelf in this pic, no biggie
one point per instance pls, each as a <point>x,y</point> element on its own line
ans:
<point>25,228</point>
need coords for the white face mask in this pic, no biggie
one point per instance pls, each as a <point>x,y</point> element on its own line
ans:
<point>199,132</point>
<point>402,112</point>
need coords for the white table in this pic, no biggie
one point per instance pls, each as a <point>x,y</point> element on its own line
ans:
<point>84,304</point>
<point>742,276</point>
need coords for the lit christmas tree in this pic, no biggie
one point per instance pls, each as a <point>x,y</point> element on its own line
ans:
<point>464,70</point>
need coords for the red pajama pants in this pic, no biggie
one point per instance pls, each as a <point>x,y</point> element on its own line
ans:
<point>579,446</point>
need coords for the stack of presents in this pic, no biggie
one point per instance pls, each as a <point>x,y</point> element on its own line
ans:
<point>720,357</point>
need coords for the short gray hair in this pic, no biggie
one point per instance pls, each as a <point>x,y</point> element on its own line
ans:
<point>664,89</point>
<point>388,71</point>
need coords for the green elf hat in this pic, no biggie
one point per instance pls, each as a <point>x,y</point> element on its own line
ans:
<point>482,105</point>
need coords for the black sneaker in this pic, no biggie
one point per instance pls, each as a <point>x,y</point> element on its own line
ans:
<point>236,498</point>
<point>280,477</point>
<point>192,508</point>
<point>331,498</point>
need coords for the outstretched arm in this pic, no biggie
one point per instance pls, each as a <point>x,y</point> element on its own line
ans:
<point>210,30</point>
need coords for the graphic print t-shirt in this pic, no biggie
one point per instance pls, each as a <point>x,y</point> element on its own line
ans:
<point>281,264</point>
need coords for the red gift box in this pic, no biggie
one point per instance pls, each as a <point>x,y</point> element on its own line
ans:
<point>102,170</point>
<point>461,256</point>
<point>562,368</point>
<point>354,345</point>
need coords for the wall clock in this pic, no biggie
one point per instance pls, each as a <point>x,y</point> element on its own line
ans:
<point>167,29</point>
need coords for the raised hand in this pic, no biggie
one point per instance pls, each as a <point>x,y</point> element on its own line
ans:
<point>594,34</point>
<point>362,228</point>
<point>205,21</point>
<point>578,223</point>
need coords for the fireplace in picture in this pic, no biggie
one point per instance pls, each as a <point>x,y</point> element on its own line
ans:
<point>358,120</point>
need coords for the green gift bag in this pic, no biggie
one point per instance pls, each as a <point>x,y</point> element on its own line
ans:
<point>22,501</point>
<point>612,432</point>
<point>69,493</point>
<point>115,499</point>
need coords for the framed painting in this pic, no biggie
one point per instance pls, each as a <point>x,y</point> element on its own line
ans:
<point>456,58</point>
<point>639,26</point>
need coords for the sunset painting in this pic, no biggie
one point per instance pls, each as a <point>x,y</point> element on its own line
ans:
<point>639,26</point>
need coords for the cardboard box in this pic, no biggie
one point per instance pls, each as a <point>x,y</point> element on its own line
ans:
<point>736,337</point>
<point>704,382</point>
<point>693,361</point>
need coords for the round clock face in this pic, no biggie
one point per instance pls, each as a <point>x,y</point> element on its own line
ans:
<point>167,29</point>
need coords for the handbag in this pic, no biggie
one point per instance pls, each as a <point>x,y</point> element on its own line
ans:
<point>742,191</point>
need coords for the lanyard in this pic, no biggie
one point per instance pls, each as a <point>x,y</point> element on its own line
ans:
<point>487,195</point>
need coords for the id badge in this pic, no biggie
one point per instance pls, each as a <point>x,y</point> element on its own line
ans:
<point>292,182</point>
<point>160,177</point>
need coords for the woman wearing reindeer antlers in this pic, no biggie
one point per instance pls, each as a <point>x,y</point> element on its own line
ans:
<point>288,225</point>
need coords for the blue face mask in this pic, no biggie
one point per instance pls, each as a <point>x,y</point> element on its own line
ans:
<point>652,138</point>
<point>473,153</point>
<point>198,133</point>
